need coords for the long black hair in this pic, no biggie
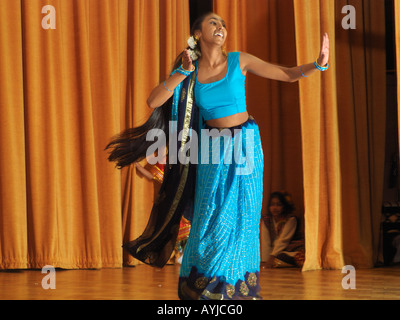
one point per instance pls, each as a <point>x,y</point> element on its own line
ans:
<point>131,145</point>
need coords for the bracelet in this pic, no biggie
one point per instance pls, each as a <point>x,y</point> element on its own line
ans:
<point>188,70</point>
<point>320,68</point>
<point>167,88</point>
<point>301,71</point>
<point>183,71</point>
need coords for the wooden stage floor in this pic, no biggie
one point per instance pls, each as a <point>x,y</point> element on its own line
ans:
<point>145,283</point>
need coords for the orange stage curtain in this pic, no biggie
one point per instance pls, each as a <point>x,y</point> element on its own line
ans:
<point>64,93</point>
<point>397,42</point>
<point>336,158</point>
<point>343,112</point>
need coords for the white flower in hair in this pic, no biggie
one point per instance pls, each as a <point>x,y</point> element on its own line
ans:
<point>192,42</point>
<point>194,54</point>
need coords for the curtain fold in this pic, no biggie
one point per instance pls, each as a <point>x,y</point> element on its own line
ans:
<point>13,202</point>
<point>64,93</point>
<point>320,137</point>
<point>362,123</point>
<point>343,121</point>
<point>397,45</point>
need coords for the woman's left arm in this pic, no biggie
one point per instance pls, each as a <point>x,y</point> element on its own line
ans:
<point>250,63</point>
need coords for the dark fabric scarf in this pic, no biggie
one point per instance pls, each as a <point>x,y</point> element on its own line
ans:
<point>176,197</point>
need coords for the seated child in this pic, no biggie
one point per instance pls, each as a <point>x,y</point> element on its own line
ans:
<point>285,245</point>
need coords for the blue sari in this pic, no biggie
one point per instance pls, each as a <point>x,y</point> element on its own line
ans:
<point>222,257</point>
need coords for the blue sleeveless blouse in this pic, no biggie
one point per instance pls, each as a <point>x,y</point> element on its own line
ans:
<point>225,97</point>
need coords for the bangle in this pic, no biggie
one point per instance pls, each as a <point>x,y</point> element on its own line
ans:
<point>183,71</point>
<point>320,68</point>
<point>301,71</point>
<point>193,68</point>
<point>167,88</point>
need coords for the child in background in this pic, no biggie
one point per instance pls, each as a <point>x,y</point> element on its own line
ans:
<point>285,245</point>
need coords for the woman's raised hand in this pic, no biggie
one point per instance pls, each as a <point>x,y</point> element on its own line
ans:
<point>187,62</point>
<point>324,54</point>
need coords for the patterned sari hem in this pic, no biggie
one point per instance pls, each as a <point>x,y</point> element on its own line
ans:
<point>197,286</point>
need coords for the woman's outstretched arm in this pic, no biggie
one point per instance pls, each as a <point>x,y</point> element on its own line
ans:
<point>250,63</point>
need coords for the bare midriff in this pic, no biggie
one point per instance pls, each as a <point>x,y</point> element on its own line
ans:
<point>229,121</point>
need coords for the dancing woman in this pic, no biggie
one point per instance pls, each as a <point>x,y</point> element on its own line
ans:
<point>223,200</point>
